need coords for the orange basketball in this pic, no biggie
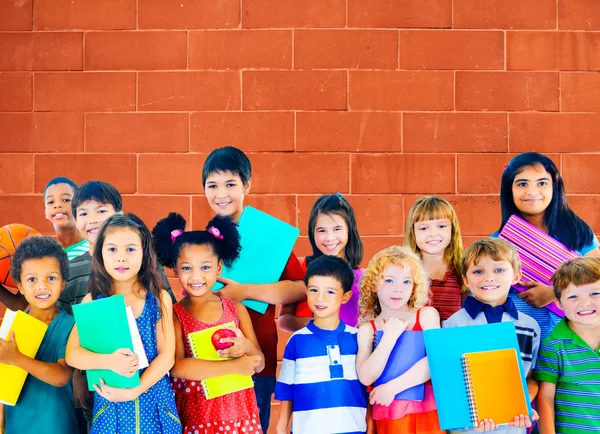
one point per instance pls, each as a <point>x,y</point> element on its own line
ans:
<point>10,237</point>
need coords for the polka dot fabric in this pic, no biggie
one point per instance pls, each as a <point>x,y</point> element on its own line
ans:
<point>235,413</point>
<point>154,411</point>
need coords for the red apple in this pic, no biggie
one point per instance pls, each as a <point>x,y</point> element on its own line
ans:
<point>220,334</point>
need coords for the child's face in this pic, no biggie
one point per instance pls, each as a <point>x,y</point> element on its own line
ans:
<point>325,295</point>
<point>397,287</point>
<point>90,216</point>
<point>331,235</point>
<point>122,254</point>
<point>433,236</point>
<point>225,193</point>
<point>58,205</point>
<point>582,303</point>
<point>197,269</point>
<point>532,190</point>
<point>41,282</point>
<point>490,280</point>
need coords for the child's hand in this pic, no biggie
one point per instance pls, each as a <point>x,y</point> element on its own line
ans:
<point>124,362</point>
<point>113,394</point>
<point>232,289</point>
<point>486,425</point>
<point>9,350</point>
<point>241,345</point>
<point>522,421</point>
<point>281,427</point>
<point>246,365</point>
<point>382,395</point>
<point>538,294</point>
<point>394,327</point>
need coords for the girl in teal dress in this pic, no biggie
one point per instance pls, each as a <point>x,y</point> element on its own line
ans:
<point>124,263</point>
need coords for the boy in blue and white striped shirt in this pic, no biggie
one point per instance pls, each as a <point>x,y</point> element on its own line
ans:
<point>318,381</point>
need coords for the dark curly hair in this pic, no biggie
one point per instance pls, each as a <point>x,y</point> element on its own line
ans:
<point>38,247</point>
<point>226,246</point>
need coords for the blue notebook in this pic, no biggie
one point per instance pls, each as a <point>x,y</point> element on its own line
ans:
<point>267,243</point>
<point>445,348</point>
<point>409,349</point>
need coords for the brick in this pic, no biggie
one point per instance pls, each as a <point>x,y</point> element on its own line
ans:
<point>136,132</point>
<point>17,173</point>
<point>303,248</point>
<point>16,15</point>
<point>511,91</point>
<point>505,14</point>
<point>16,89</point>
<point>300,173</point>
<point>580,92</point>
<point>455,132</point>
<point>402,173</point>
<point>294,90</point>
<point>170,173</point>
<point>41,51</point>
<point>477,215</point>
<point>84,14</point>
<point>153,208</point>
<point>375,214</point>
<point>375,244</point>
<point>282,207</point>
<point>564,51</point>
<point>238,49</point>
<point>85,91</point>
<point>401,90</point>
<point>188,14</point>
<point>580,172</point>
<point>25,209</point>
<point>41,132</point>
<point>586,207</point>
<point>400,13</point>
<point>135,50</point>
<point>249,131</point>
<point>366,49</point>
<point>551,132</point>
<point>293,13</point>
<point>117,169</point>
<point>578,15</point>
<point>348,131</point>
<point>189,91</point>
<point>451,49</point>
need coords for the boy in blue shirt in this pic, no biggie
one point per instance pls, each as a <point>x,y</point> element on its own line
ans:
<point>318,382</point>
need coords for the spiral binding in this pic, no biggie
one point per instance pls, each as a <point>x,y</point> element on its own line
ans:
<point>470,392</point>
<point>195,354</point>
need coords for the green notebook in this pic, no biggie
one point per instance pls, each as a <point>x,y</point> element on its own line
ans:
<point>103,328</point>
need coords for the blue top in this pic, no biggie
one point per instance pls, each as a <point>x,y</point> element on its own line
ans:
<point>41,406</point>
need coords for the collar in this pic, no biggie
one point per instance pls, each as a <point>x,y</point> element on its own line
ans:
<point>563,332</point>
<point>492,314</point>
<point>326,334</point>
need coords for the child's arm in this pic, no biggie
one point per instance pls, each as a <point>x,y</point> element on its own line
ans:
<point>288,320</point>
<point>545,404</point>
<point>12,301</point>
<point>282,292</point>
<point>284,389</point>
<point>285,412</point>
<point>56,374</point>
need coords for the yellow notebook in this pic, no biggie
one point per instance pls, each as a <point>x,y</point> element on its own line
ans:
<point>202,348</point>
<point>494,386</point>
<point>29,334</point>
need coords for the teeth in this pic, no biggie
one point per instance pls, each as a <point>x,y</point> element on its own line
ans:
<point>43,297</point>
<point>586,312</point>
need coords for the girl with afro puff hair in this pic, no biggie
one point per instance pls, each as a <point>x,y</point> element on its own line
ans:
<point>197,258</point>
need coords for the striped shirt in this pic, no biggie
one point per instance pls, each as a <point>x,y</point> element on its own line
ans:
<point>318,374</point>
<point>567,361</point>
<point>77,249</point>
<point>446,294</point>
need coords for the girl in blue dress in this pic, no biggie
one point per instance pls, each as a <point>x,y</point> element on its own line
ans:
<point>125,263</point>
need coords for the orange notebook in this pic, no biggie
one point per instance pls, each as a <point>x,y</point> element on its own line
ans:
<point>494,386</point>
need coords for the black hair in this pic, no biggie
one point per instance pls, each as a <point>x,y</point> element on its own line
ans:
<point>60,180</point>
<point>334,267</point>
<point>559,220</point>
<point>101,192</point>
<point>227,159</point>
<point>336,204</point>
<point>170,238</point>
<point>38,247</point>
<point>149,277</point>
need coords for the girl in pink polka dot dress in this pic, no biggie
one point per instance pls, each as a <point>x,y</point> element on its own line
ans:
<point>197,258</point>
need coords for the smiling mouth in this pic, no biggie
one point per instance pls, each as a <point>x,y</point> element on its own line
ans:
<point>122,269</point>
<point>197,285</point>
<point>331,247</point>
<point>320,308</point>
<point>92,231</point>
<point>42,297</point>
<point>586,312</point>
<point>223,204</point>
<point>489,288</point>
<point>59,215</point>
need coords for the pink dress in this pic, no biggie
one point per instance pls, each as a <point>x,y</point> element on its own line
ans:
<point>235,413</point>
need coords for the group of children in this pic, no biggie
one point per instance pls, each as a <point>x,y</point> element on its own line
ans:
<point>329,365</point>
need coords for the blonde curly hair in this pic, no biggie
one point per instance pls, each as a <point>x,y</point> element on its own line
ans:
<point>372,278</point>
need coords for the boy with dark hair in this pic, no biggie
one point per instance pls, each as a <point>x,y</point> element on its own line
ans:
<point>227,178</point>
<point>323,352</point>
<point>568,367</point>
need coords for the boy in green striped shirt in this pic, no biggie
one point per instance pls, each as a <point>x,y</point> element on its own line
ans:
<point>568,366</point>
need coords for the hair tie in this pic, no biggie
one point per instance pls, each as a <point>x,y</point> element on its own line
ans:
<point>338,194</point>
<point>175,234</point>
<point>506,166</point>
<point>215,232</point>
<point>132,223</point>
